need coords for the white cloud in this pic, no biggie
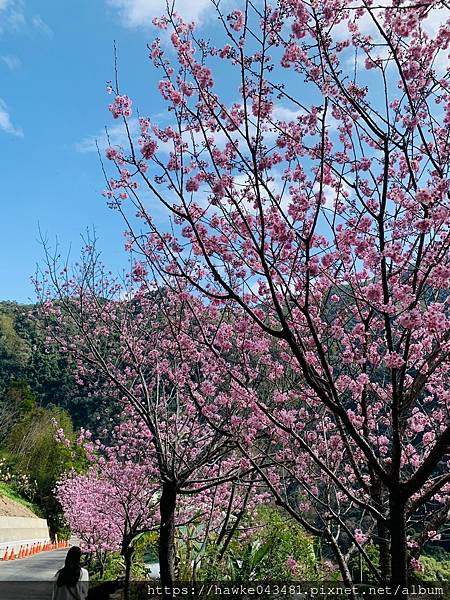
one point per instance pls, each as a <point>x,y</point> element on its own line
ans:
<point>431,25</point>
<point>11,61</point>
<point>6,123</point>
<point>284,113</point>
<point>330,194</point>
<point>367,26</point>
<point>435,19</point>
<point>139,13</point>
<point>117,137</point>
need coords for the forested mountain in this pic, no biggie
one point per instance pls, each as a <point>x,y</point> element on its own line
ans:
<point>30,372</point>
<point>37,389</point>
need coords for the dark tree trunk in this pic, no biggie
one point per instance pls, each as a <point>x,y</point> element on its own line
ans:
<point>167,507</point>
<point>399,555</point>
<point>383,547</point>
<point>101,559</point>
<point>380,497</point>
<point>128,558</point>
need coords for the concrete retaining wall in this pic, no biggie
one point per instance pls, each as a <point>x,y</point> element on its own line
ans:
<point>22,528</point>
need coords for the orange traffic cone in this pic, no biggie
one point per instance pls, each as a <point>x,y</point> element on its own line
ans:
<point>5,555</point>
<point>11,556</point>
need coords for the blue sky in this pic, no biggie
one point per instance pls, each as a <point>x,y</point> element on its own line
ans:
<point>55,59</point>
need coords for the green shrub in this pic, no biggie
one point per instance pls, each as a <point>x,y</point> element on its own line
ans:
<point>277,549</point>
<point>434,570</point>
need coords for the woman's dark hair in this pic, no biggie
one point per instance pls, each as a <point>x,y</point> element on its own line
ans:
<point>69,575</point>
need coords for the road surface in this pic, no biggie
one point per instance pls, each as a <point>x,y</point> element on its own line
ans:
<point>30,578</point>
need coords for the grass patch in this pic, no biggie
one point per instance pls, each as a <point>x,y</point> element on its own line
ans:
<point>6,491</point>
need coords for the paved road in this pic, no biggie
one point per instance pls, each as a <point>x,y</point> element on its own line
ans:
<point>30,578</point>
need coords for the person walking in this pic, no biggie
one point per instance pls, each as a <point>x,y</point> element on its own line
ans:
<point>72,581</point>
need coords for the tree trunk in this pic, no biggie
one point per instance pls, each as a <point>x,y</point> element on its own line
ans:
<point>380,497</point>
<point>167,507</point>
<point>128,558</point>
<point>101,559</point>
<point>399,555</point>
<point>384,550</point>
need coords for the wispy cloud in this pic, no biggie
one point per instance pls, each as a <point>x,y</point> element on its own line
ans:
<point>11,61</point>
<point>117,135</point>
<point>12,16</point>
<point>38,23</point>
<point>6,124</point>
<point>139,13</point>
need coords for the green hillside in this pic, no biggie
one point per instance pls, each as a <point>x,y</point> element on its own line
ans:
<point>12,501</point>
<point>29,372</point>
<point>37,389</point>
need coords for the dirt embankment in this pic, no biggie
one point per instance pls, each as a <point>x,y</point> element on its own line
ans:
<point>11,508</point>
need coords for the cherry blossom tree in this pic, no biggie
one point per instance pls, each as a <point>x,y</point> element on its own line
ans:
<point>308,197</point>
<point>116,499</point>
<point>138,344</point>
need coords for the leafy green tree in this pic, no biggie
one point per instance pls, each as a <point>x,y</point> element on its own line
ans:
<point>17,400</point>
<point>14,351</point>
<point>19,394</point>
<point>33,449</point>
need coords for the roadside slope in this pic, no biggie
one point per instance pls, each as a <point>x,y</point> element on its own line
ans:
<point>12,508</point>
